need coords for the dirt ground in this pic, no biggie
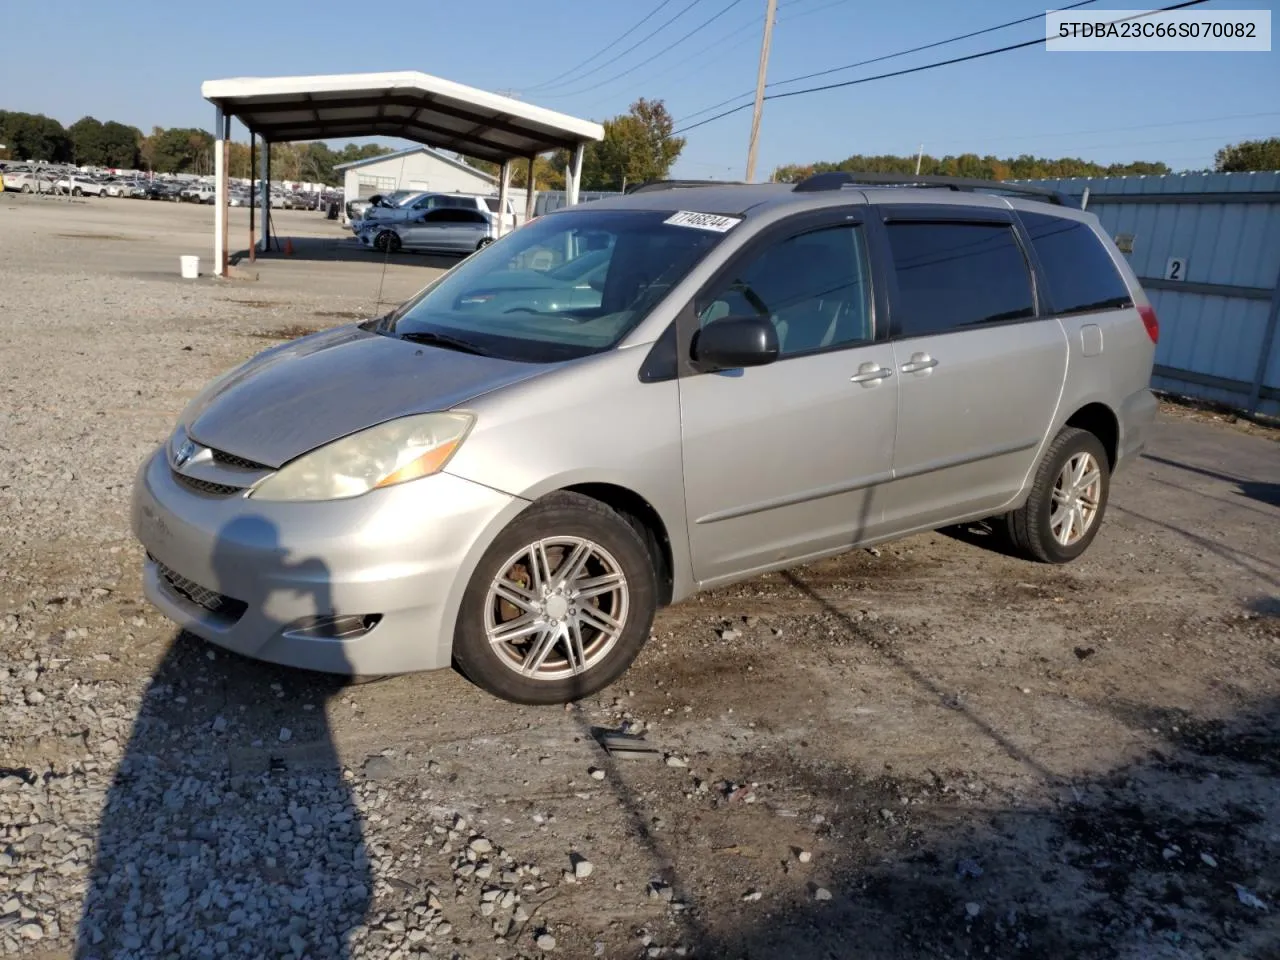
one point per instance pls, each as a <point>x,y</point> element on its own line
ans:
<point>927,750</point>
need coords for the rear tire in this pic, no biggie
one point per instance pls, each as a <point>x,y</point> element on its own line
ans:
<point>581,632</point>
<point>77,192</point>
<point>484,242</point>
<point>1067,502</point>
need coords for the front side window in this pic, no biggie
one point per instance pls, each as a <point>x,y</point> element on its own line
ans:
<point>957,275</point>
<point>1079,272</point>
<point>563,286</point>
<point>813,287</point>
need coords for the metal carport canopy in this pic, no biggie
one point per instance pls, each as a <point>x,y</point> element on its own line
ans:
<point>408,104</point>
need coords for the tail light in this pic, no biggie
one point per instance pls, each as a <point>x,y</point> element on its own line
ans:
<point>1149,321</point>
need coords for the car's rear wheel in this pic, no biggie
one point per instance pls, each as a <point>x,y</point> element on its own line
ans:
<point>77,192</point>
<point>559,605</point>
<point>484,242</point>
<point>1067,502</point>
<point>26,188</point>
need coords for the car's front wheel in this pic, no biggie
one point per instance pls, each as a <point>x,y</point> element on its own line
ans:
<point>1067,501</point>
<point>559,605</point>
<point>484,242</point>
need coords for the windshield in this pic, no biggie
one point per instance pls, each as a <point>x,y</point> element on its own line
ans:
<point>560,287</point>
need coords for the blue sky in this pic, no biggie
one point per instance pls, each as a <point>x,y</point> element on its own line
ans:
<point>143,64</point>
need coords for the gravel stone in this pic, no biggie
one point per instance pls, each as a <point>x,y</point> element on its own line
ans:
<point>545,941</point>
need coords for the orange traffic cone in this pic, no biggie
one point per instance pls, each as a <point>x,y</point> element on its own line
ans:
<point>288,247</point>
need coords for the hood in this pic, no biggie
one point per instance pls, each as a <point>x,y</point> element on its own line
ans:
<point>304,394</point>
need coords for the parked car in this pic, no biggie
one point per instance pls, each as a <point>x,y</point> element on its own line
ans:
<point>357,209</point>
<point>414,205</point>
<point>198,193</point>
<point>443,230</point>
<point>164,190</point>
<point>772,374</point>
<point>118,188</point>
<point>80,186</point>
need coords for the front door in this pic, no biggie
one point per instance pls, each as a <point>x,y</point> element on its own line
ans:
<point>979,371</point>
<point>786,461</point>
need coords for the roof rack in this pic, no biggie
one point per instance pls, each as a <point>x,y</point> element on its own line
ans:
<point>838,179</point>
<point>651,186</point>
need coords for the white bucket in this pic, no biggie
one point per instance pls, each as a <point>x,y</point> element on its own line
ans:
<point>190,267</point>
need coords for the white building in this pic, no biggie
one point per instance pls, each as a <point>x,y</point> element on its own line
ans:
<point>420,168</point>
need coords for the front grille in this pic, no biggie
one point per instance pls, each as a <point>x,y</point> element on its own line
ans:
<point>231,460</point>
<point>205,487</point>
<point>211,600</point>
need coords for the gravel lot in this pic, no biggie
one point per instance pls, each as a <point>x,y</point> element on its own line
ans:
<point>927,750</point>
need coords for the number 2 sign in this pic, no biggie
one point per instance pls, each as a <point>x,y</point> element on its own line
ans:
<point>1176,268</point>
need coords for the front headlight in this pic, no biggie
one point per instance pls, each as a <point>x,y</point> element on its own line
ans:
<point>390,453</point>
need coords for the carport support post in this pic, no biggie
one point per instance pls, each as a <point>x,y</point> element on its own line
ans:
<point>264,191</point>
<point>253,238</point>
<point>223,193</point>
<point>530,183</point>
<point>575,170</point>
<point>504,180</point>
<point>220,195</point>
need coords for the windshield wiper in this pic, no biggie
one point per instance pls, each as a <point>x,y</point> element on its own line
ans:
<point>444,340</point>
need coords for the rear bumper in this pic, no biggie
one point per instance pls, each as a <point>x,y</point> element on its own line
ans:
<point>1137,414</point>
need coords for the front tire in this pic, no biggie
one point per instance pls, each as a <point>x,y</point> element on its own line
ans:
<point>1067,502</point>
<point>559,605</point>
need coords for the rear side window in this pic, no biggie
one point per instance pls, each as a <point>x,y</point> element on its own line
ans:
<point>957,275</point>
<point>1080,274</point>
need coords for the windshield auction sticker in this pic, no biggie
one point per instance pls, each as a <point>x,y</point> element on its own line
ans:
<point>703,221</point>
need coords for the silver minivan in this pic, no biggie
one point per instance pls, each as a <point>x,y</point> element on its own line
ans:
<point>513,470</point>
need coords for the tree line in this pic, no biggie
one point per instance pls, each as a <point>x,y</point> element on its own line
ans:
<point>1233,158</point>
<point>638,146</point>
<point>91,142</point>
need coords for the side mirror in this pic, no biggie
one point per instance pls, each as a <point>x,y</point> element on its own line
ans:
<point>736,342</point>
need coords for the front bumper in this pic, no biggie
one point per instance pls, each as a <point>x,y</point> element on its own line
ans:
<point>251,575</point>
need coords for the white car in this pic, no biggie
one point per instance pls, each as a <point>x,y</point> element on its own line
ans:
<point>198,193</point>
<point>81,186</point>
<point>414,205</point>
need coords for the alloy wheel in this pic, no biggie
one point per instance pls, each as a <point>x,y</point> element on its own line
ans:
<point>557,608</point>
<point>1077,494</point>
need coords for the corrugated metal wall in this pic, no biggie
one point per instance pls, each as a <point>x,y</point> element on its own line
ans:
<point>1219,310</point>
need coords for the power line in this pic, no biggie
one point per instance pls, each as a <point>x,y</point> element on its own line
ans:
<point>887,56</point>
<point>922,67</point>
<point>720,49</point>
<point>618,76</point>
<point>603,50</point>
<point>643,40</point>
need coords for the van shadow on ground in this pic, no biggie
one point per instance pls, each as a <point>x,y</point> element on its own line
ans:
<point>229,821</point>
<point>1173,855</point>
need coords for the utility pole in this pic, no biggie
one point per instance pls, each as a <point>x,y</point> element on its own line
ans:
<point>769,17</point>
<point>919,157</point>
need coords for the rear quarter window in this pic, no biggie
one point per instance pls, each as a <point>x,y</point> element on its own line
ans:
<point>956,275</point>
<point>1078,270</point>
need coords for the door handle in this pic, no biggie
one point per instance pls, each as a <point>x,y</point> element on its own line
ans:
<point>918,363</point>
<point>871,373</point>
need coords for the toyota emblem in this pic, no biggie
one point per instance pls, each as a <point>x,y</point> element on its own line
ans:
<point>183,454</point>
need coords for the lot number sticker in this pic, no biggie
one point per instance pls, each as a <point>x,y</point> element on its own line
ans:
<point>703,221</point>
<point>1176,268</point>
